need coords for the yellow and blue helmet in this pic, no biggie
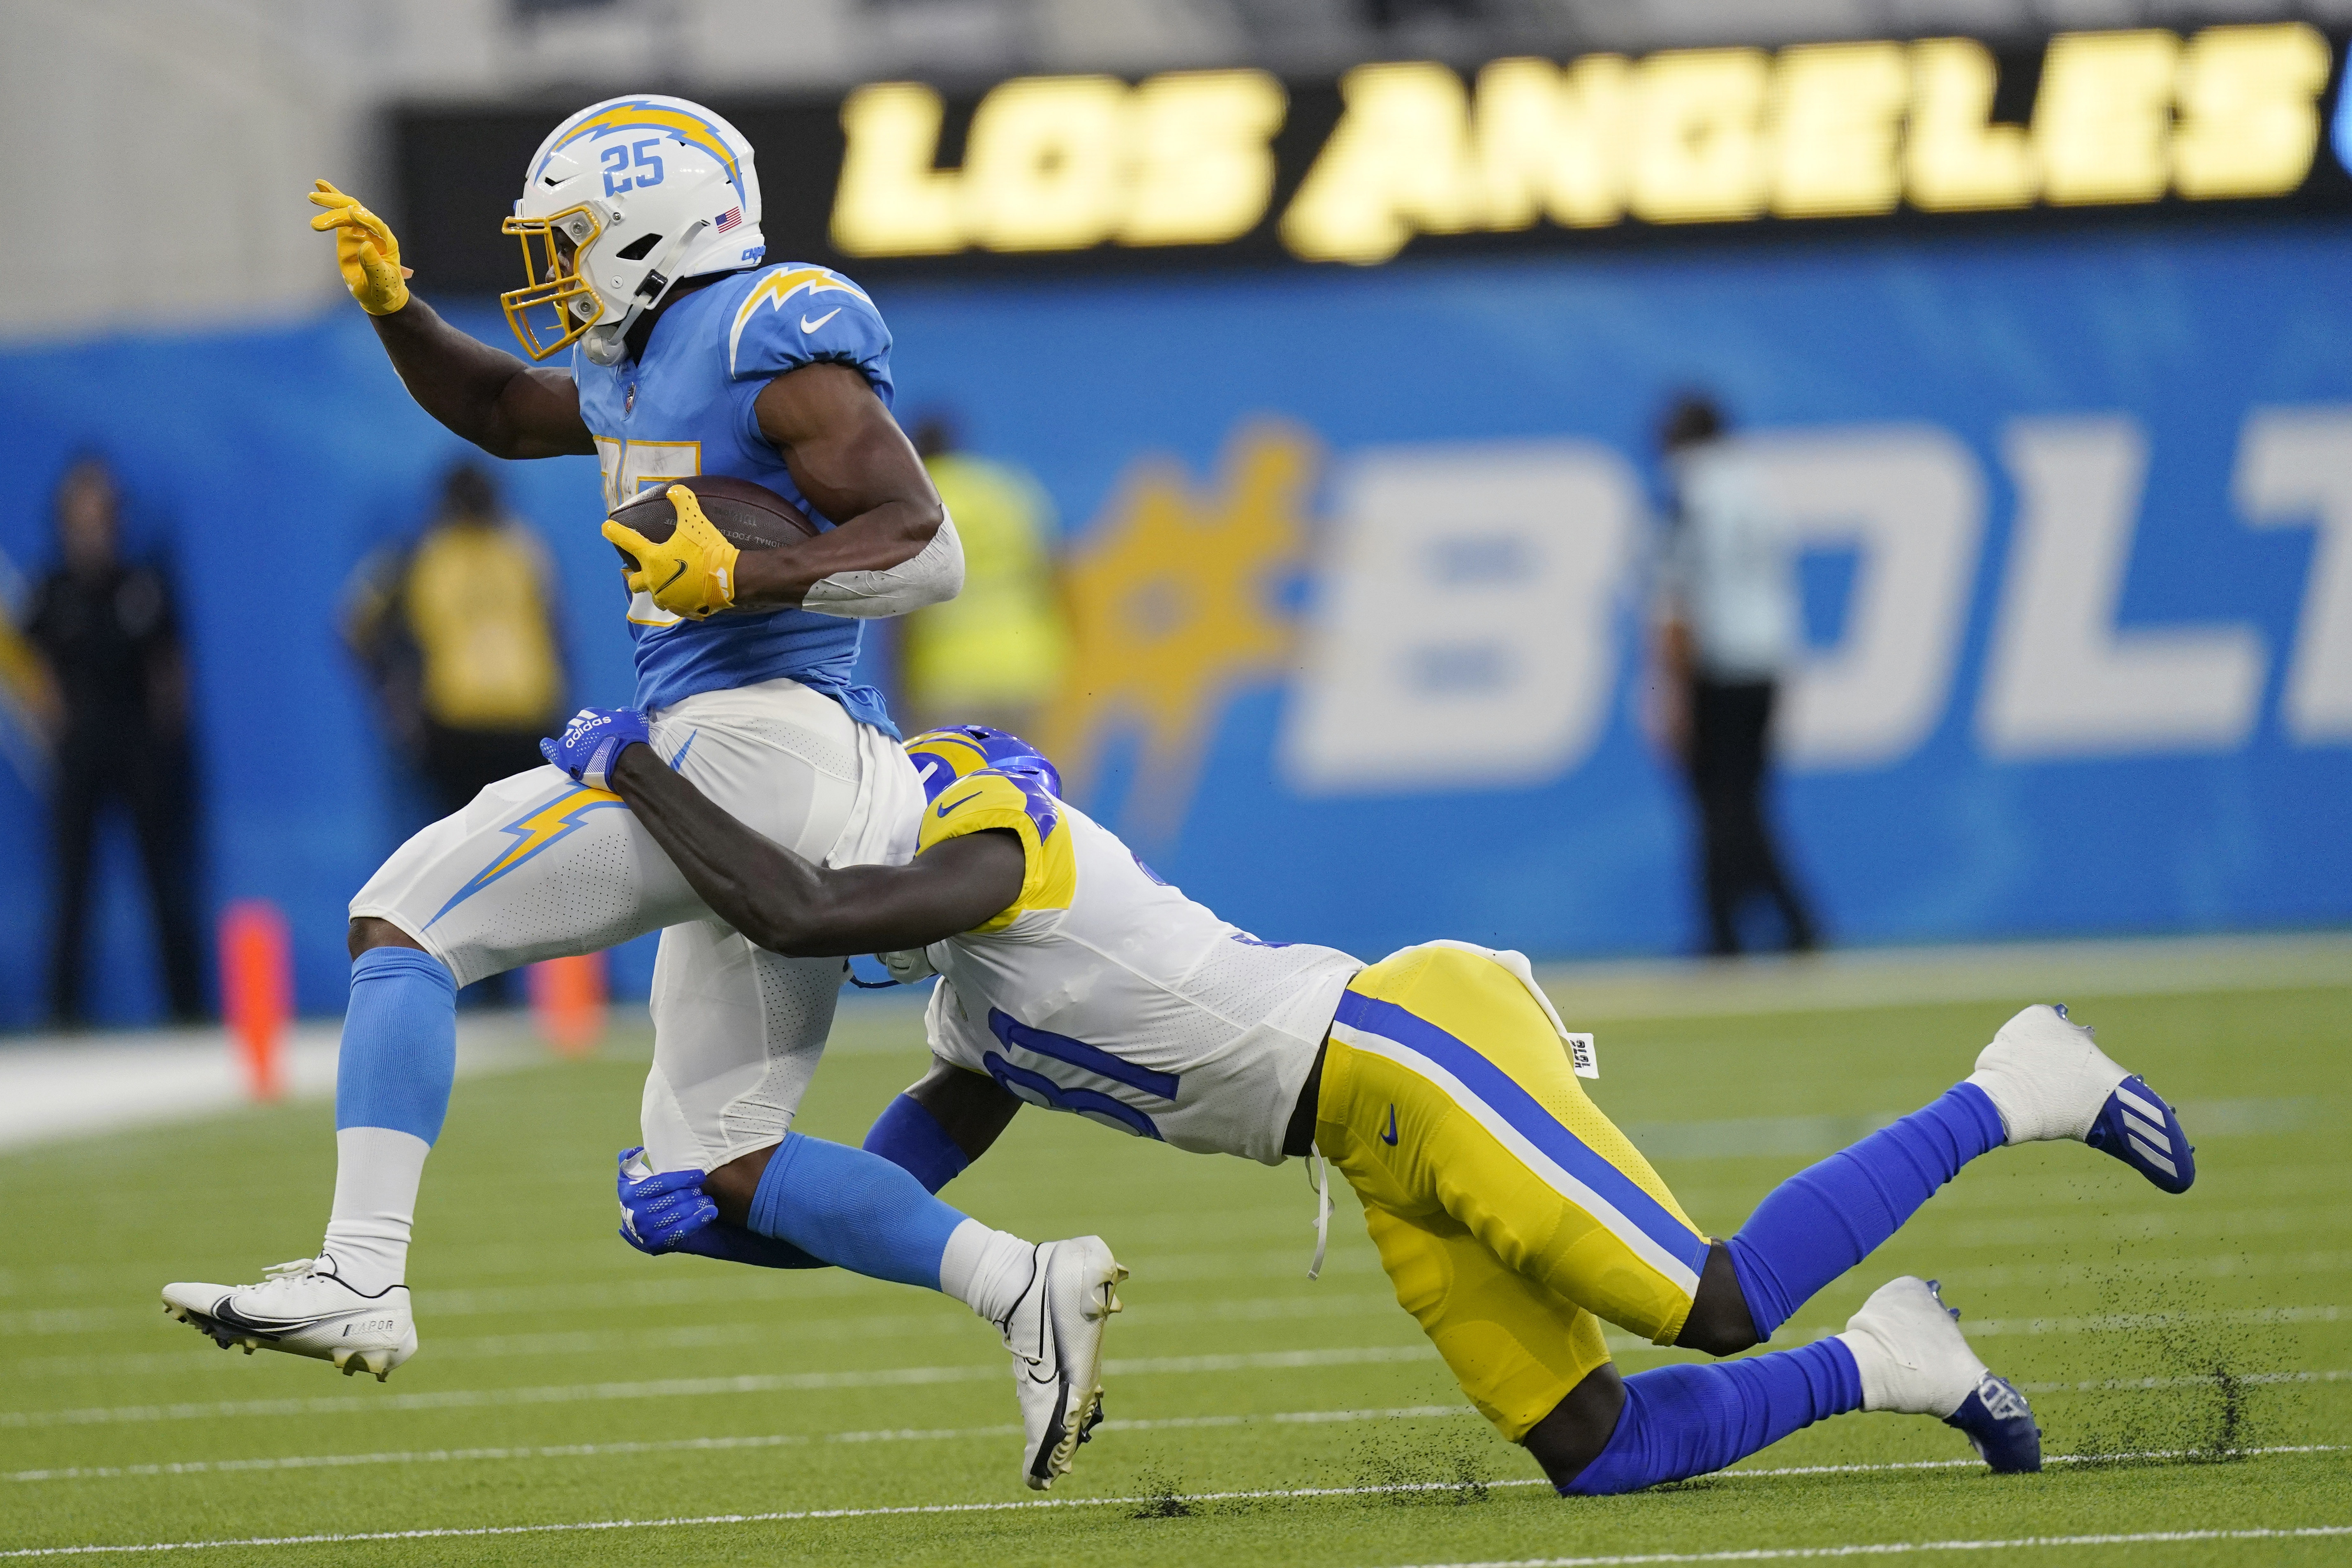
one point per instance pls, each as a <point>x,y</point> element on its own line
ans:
<point>944,755</point>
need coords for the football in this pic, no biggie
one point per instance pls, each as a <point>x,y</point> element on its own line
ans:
<point>751,517</point>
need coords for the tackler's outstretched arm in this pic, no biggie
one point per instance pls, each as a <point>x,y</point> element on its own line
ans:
<point>794,907</point>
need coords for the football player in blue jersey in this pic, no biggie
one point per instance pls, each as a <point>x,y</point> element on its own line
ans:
<point>1511,1214</point>
<point>639,224</point>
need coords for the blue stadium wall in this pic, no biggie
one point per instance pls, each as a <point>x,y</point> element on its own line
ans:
<point>1362,567</point>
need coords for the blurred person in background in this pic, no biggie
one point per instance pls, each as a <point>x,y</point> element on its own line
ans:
<point>458,634</point>
<point>1729,627</point>
<point>995,654</point>
<point>108,634</point>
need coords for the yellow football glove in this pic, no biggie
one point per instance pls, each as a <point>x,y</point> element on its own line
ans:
<point>365,249</point>
<point>691,572</point>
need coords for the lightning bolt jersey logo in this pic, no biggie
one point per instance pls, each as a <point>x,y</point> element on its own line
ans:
<point>781,286</point>
<point>545,825</point>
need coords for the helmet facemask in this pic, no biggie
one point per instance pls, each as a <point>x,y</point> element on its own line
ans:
<point>551,248</point>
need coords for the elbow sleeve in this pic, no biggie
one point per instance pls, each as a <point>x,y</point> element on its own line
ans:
<point>911,1138</point>
<point>931,577</point>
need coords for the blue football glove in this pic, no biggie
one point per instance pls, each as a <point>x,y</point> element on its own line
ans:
<point>592,741</point>
<point>661,1213</point>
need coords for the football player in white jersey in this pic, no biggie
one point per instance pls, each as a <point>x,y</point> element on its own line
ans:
<point>1510,1213</point>
<point>689,354</point>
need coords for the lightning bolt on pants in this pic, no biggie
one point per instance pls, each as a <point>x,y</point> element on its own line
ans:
<point>538,867</point>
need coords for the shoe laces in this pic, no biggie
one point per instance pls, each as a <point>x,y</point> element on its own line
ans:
<point>298,1268</point>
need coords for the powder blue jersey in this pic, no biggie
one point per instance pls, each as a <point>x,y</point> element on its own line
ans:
<point>686,409</point>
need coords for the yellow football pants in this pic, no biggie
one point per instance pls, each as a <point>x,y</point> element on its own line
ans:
<point>1510,1213</point>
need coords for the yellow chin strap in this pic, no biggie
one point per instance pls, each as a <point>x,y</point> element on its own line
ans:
<point>555,282</point>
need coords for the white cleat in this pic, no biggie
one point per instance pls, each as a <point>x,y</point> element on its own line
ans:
<point>302,1309</point>
<point>1055,1333</point>
<point>2050,1081</point>
<point>1912,1358</point>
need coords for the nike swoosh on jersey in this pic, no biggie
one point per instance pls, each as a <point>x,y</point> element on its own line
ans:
<point>948,806</point>
<point>1389,1137</point>
<point>809,326</point>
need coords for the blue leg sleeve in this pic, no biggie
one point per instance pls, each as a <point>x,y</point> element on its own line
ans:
<point>399,1054</point>
<point>1823,1220</point>
<point>855,1209</point>
<point>1683,1421</point>
<point>732,1244</point>
<point>910,1137</point>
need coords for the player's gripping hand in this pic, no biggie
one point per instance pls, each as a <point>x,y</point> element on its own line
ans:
<point>691,572</point>
<point>592,743</point>
<point>365,249</point>
<point>661,1213</point>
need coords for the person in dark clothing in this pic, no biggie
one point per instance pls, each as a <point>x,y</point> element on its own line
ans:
<point>109,634</point>
<point>1728,630</point>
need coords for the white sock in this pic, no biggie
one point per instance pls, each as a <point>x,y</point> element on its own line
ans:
<point>376,1174</point>
<point>987,1270</point>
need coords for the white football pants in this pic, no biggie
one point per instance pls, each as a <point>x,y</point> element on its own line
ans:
<point>538,866</point>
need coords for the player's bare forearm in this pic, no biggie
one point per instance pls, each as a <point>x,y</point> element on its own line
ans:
<point>855,466</point>
<point>794,907</point>
<point>972,1108</point>
<point>488,396</point>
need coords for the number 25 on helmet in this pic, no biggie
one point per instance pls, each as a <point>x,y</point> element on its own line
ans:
<point>621,200</point>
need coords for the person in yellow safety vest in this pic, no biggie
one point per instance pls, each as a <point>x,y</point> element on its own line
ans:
<point>994,653</point>
<point>458,634</point>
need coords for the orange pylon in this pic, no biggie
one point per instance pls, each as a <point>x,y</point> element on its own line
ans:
<point>257,990</point>
<point>567,1001</point>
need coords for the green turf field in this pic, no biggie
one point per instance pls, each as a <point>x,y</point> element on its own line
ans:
<point>565,1381</point>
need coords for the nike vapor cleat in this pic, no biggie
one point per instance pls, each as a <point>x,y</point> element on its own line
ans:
<point>303,1309</point>
<point>1055,1334</point>
<point>2048,1080</point>
<point>1913,1358</point>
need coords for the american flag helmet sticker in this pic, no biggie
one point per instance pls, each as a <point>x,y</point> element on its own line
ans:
<point>729,218</point>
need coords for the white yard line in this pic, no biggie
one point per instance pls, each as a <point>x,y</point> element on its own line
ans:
<point>916,1434</point>
<point>766,1331</point>
<point>688,1387</point>
<point>2009,973</point>
<point>887,1377</point>
<point>190,1356</point>
<point>613,1295</point>
<point>697,1445</point>
<point>1038,1505</point>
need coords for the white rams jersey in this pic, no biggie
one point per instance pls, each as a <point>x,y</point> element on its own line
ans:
<point>1103,990</point>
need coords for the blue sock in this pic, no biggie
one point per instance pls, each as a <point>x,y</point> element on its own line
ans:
<point>908,1135</point>
<point>1825,1219</point>
<point>1682,1421</point>
<point>399,1054</point>
<point>854,1209</point>
<point>732,1244</point>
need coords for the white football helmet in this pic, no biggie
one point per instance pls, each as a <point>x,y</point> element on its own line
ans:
<point>625,198</point>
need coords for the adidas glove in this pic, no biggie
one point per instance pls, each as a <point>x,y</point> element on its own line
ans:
<point>592,743</point>
<point>660,1212</point>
